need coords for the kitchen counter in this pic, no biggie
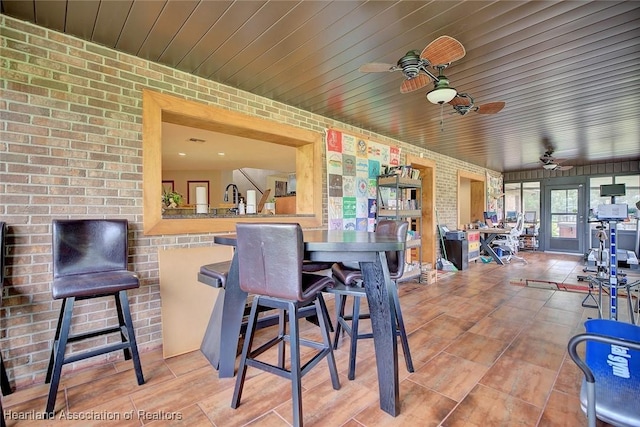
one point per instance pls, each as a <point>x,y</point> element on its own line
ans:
<point>189,213</point>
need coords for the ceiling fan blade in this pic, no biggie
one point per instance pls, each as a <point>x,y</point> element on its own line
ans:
<point>491,108</point>
<point>563,168</point>
<point>418,82</point>
<point>377,67</point>
<point>460,101</point>
<point>443,50</point>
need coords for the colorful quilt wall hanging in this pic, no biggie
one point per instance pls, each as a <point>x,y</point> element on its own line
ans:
<point>353,165</point>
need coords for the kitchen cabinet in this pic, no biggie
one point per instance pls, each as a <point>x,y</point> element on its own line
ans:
<point>285,205</point>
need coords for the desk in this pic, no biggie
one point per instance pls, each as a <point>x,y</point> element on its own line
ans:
<point>220,342</point>
<point>487,235</point>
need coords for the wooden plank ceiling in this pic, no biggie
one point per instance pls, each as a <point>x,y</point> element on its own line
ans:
<point>569,71</point>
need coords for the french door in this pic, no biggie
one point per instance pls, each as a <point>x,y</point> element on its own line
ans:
<point>564,223</point>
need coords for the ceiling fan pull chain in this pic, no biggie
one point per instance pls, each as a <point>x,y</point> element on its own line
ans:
<point>442,117</point>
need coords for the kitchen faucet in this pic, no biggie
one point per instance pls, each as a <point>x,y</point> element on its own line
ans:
<point>236,194</point>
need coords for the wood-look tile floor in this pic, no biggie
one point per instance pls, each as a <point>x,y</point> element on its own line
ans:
<point>487,351</point>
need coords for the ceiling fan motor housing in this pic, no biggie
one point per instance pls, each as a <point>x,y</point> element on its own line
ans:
<point>462,108</point>
<point>410,64</point>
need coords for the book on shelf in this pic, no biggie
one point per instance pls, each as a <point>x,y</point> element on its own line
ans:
<point>404,171</point>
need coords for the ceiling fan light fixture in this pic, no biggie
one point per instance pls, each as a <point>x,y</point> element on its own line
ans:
<point>441,96</point>
<point>550,166</point>
<point>442,92</point>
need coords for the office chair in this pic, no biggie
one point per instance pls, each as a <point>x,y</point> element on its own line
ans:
<point>510,243</point>
<point>90,258</point>
<point>270,260</point>
<point>610,389</point>
<point>350,284</point>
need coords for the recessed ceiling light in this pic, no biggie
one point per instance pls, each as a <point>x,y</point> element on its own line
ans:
<point>182,154</point>
<point>220,153</point>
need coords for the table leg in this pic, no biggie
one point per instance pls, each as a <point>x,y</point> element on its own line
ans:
<point>486,245</point>
<point>220,343</point>
<point>381,308</point>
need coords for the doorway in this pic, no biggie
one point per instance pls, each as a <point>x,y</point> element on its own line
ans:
<point>472,200</point>
<point>427,170</point>
<point>564,222</point>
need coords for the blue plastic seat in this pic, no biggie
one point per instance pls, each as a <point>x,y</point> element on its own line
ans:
<point>611,387</point>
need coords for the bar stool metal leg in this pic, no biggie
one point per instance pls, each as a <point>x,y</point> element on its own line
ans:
<point>4,379</point>
<point>323,315</point>
<point>57,354</point>
<point>248,342</point>
<point>296,370</point>
<point>340,303</point>
<point>132,349</point>
<point>353,349</point>
<point>401,329</point>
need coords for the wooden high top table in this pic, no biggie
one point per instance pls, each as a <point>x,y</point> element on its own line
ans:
<point>220,342</point>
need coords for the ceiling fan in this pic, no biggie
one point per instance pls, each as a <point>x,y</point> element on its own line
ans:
<point>551,163</point>
<point>415,67</point>
<point>463,104</point>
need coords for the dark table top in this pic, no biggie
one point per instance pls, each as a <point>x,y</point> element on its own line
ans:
<point>494,230</point>
<point>336,240</point>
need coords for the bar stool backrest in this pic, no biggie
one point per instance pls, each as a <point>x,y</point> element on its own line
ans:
<point>395,259</point>
<point>89,246</point>
<point>270,259</point>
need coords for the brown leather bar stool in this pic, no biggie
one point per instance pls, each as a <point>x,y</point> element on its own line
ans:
<point>90,258</point>
<point>315,266</point>
<point>270,262</point>
<point>350,284</point>
<point>4,378</point>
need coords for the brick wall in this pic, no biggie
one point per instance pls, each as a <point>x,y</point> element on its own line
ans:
<point>71,146</point>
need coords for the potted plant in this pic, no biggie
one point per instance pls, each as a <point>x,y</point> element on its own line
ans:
<point>171,199</point>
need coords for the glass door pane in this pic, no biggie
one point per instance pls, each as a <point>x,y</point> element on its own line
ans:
<point>564,209</point>
<point>565,218</point>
